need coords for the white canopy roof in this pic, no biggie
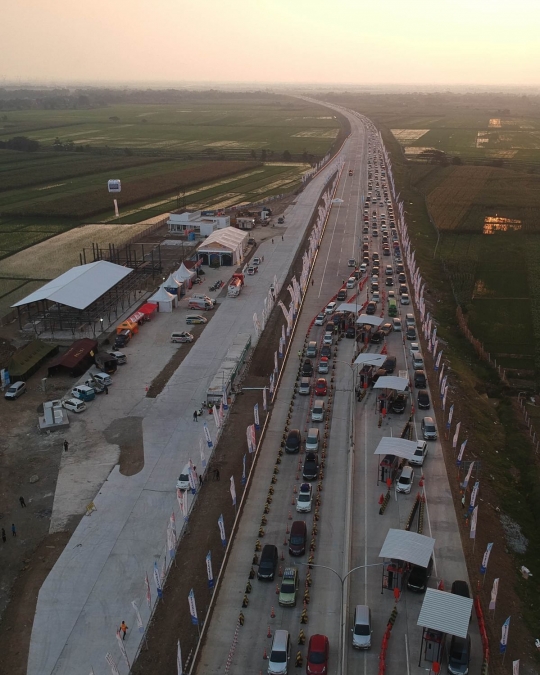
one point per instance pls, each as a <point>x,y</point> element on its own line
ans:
<point>370,320</point>
<point>370,359</point>
<point>228,238</point>
<point>396,446</point>
<point>349,307</point>
<point>409,546</point>
<point>446,612</point>
<point>392,382</point>
<point>161,295</point>
<point>182,273</point>
<point>171,282</point>
<point>80,286</point>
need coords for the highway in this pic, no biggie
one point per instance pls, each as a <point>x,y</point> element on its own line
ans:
<point>350,531</point>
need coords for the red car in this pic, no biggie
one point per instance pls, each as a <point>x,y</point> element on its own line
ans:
<point>321,387</point>
<point>317,657</point>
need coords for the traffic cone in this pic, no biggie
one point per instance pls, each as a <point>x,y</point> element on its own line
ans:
<point>265,656</point>
<point>285,542</point>
<point>288,528</point>
<point>381,499</point>
<point>269,634</point>
<point>290,515</point>
<point>280,573</point>
<point>272,613</point>
<point>277,589</point>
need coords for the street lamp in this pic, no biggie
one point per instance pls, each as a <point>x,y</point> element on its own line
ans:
<point>341,621</point>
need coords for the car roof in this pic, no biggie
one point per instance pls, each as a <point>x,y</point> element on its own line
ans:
<point>317,642</point>
<point>406,470</point>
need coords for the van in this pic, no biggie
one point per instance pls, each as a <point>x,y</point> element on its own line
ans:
<point>83,392</point>
<point>305,386</point>
<point>183,479</point>
<point>311,351</point>
<point>103,378</point>
<point>268,563</point>
<point>107,363</point>
<point>312,440</point>
<point>297,540</point>
<point>361,627</point>
<point>429,430</point>
<point>278,661</point>
<point>317,414</point>
<point>122,338</point>
<point>15,390</point>
<point>195,319</point>
<point>200,303</point>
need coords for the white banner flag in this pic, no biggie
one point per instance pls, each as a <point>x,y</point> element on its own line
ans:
<point>265,405</point>
<point>112,664</point>
<point>209,572</point>
<point>221,526</point>
<point>207,434</point>
<point>468,476</point>
<point>256,415</point>
<point>122,648</point>
<point>179,669</point>
<point>456,435</point>
<point>148,592</point>
<point>494,591</point>
<point>515,667</point>
<point>140,624</point>
<point>474,518</point>
<point>461,451</point>
<point>233,491</point>
<point>157,580</point>
<point>216,416</point>
<point>203,457</point>
<point>485,559</point>
<point>474,493</point>
<point>450,415</point>
<point>248,437</point>
<point>193,608</point>
<point>504,636</point>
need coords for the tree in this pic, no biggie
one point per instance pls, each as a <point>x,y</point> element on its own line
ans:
<point>457,161</point>
<point>286,156</point>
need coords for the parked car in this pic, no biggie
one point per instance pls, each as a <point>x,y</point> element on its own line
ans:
<point>377,337</point>
<point>293,441</point>
<point>411,333</point>
<point>351,263</point>
<point>386,328</point>
<point>350,332</point>
<point>307,368</point>
<point>420,379</point>
<point>74,404</point>
<point>323,367</point>
<point>417,362</point>
<point>405,480</point>
<point>195,319</point>
<point>297,540</point>
<point>419,577</point>
<point>404,299</point>
<point>423,399</point>
<point>414,348</point>
<point>330,308</point>
<point>328,339</point>
<point>268,563</point>
<point>461,588</point>
<point>326,351</point>
<point>317,655</point>
<point>15,390</point>
<point>305,498</point>
<point>342,294</point>
<point>351,281</point>
<point>419,454</point>
<point>119,356</point>
<point>371,308</point>
<point>310,470</point>
<point>361,627</point>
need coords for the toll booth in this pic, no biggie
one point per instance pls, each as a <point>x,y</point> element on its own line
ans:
<point>393,572</point>
<point>433,643</point>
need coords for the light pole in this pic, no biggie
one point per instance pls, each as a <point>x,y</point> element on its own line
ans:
<point>342,579</point>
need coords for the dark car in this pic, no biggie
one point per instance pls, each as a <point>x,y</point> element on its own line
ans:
<point>399,268</point>
<point>375,256</point>
<point>307,368</point>
<point>389,281</point>
<point>377,337</point>
<point>419,576</point>
<point>342,294</point>
<point>371,308</point>
<point>423,399</point>
<point>390,364</point>
<point>374,286</point>
<point>297,540</point>
<point>326,350</point>
<point>402,278</point>
<point>411,333</point>
<point>403,289</point>
<point>399,403</point>
<point>268,563</point>
<point>459,655</point>
<point>461,588</point>
<point>311,466</point>
<point>350,332</point>
<point>419,379</point>
<point>293,442</point>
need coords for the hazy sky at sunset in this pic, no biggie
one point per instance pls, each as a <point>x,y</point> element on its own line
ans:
<point>305,41</point>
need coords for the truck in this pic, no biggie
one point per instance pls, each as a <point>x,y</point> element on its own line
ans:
<point>199,301</point>
<point>235,285</point>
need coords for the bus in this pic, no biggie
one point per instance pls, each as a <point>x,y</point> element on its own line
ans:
<point>392,307</point>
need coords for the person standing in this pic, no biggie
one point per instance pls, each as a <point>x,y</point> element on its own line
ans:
<point>201,480</point>
<point>195,416</point>
<point>66,446</point>
<point>106,390</point>
<point>123,629</point>
<point>13,530</point>
<point>23,503</point>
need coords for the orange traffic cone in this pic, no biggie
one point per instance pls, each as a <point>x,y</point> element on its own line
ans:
<point>272,614</point>
<point>265,656</point>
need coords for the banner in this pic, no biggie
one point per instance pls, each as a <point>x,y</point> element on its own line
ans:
<point>265,404</point>
<point>256,416</point>
<point>468,476</point>
<point>207,434</point>
<point>140,625</point>
<point>461,451</point>
<point>253,437</point>
<point>281,347</point>
<point>157,580</point>
<point>275,362</point>
<point>443,384</point>
<point>515,667</point>
<point>504,635</point>
<point>122,648</point>
<point>248,437</point>
<point>441,374</point>
<point>220,411</point>
<point>225,403</point>
<point>203,458</point>
<point>444,397</point>
<point>112,664</point>
<point>182,503</point>
<point>485,559</point>
<point>193,608</point>
<point>494,591</point>
<point>473,522</point>
<point>216,416</point>
<point>233,491</point>
<point>221,526</point>
<point>450,414</point>
<point>456,435</point>
<point>171,541</point>
<point>179,659</point>
<point>474,493</point>
<point>209,570</point>
<point>244,470</point>
<point>192,479</point>
<point>148,593</point>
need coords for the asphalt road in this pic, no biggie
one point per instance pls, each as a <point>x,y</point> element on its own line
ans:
<point>350,530</point>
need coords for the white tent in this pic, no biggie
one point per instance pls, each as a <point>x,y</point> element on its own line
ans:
<point>171,282</point>
<point>369,320</point>
<point>166,301</point>
<point>392,382</point>
<point>446,612</point>
<point>396,446</point>
<point>370,359</point>
<point>182,273</point>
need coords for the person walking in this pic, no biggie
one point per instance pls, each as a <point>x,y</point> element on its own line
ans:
<point>313,282</point>
<point>66,446</point>
<point>23,503</point>
<point>216,474</point>
<point>281,237</point>
<point>123,629</point>
<point>13,530</point>
<point>106,390</point>
<point>3,535</point>
<point>272,241</point>
<point>195,416</point>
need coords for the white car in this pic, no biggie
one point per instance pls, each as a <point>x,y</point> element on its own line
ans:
<point>351,263</point>
<point>406,480</point>
<point>351,281</point>
<point>363,268</point>
<point>419,454</point>
<point>119,356</point>
<point>330,308</point>
<point>74,404</point>
<point>414,348</point>
<point>375,296</point>
<point>328,339</point>
<point>417,362</point>
<point>396,323</point>
<point>405,299</point>
<point>305,498</point>
<point>320,319</point>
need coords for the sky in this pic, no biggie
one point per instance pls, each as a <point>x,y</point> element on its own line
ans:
<point>358,42</point>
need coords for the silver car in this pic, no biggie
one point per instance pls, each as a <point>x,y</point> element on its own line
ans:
<point>15,390</point>
<point>405,481</point>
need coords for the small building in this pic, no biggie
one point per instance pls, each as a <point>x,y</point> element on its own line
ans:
<point>223,247</point>
<point>202,223</point>
<point>76,361</point>
<point>245,223</point>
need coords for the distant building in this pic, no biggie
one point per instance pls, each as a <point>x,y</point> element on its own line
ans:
<point>202,223</point>
<point>245,223</point>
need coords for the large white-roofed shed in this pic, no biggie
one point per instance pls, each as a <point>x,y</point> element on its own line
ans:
<point>392,382</point>
<point>223,247</point>
<point>367,320</point>
<point>402,548</point>
<point>396,446</point>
